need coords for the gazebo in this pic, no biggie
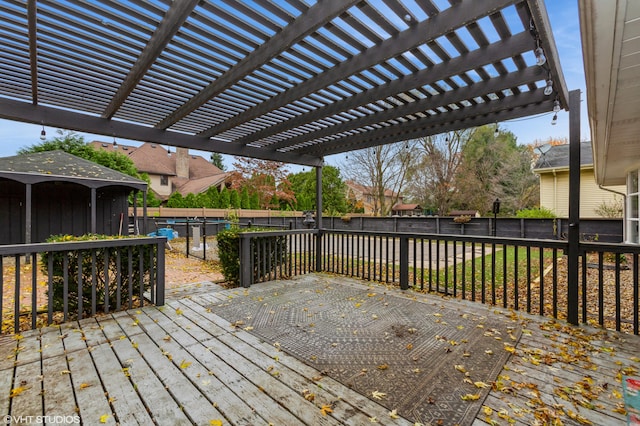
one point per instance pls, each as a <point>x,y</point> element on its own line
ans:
<point>48,193</point>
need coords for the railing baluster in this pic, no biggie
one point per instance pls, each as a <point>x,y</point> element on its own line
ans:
<point>130,279</point>
<point>600,288</point>
<point>473,271</point>
<point>65,285</point>
<point>483,283</point>
<point>555,283</point>
<point>50,288</point>
<point>464,271</point>
<point>493,273</point>
<point>541,271</point>
<point>583,256</point>
<point>80,283</point>
<point>119,281</point>
<point>618,318</point>
<point>16,302</point>
<point>528,279</point>
<point>504,275</point>
<point>635,292</point>
<point>34,290</point>
<point>516,281</point>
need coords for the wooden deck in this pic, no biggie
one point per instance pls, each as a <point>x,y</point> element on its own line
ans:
<point>182,364</point>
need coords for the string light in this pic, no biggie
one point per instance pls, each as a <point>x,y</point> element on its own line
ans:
<point>43,134</point>
<point>169,151</point>
<point>549,88</point>
<point>554,121</point>
<point>496,133</point>
<point>556,106</point>
<point>115,144</point>
<point>540,58</point>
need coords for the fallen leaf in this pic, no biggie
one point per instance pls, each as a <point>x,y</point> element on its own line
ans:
<point>378,395</point>
<point>84,385</point>
<point>460,368</point>
<point>481,385</point>
<point>17,391</point>
<point>471,397</point>
<point>179,311</point>
<point>394,414</point>
<point>104,418</point>
<point>383,366</point>
<point>326,409</point>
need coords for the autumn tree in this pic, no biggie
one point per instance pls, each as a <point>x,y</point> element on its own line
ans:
<point>264,179</point>
<point>431,178</point>
<point>383,169</point>
<point>494,166</point>
<point>74,144</point>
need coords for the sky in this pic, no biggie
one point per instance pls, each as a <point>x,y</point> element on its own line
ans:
<point>563,15</point>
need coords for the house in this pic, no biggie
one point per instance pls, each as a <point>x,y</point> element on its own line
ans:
<point>407,210</point>
<point>362,196</point>
<point>53,192</point>
<point>553,169</point>
<point>611,63</point>
<point>168,171</point>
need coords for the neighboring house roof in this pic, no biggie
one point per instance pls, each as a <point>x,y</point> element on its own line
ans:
<point>367,190</point>
<point>406,207</point>
<point>196,186</point>
<point>154,159</point>
<point>61,166</point>
<point>558,158</point>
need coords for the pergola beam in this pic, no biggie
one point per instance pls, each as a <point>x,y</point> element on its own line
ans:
<point>168,27</point>
<point>24,112</point>
<point>494,85</point>
<point>511,107</point>
<point>460,14</point>
<point>33,48</point>
<point>485,55</point>
<point>315,17</point>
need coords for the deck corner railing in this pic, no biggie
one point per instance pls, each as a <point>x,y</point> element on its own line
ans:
<point>82,278</point>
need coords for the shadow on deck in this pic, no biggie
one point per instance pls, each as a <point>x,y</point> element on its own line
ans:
<point>317,350</point>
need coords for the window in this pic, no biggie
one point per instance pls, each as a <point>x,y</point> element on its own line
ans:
<point>164,180</point>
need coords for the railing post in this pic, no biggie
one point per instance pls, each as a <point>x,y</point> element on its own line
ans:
<point>160,265</point>
<point>574,208</point>
<point>404,262</point>
<point>245,260</point>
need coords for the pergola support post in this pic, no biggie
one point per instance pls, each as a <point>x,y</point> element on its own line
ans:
<point>319,218</point>
<point>573,255</point>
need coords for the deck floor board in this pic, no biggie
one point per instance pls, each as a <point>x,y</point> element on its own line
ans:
<point>184,364</point>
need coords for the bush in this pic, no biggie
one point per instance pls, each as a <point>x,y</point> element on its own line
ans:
<point>87,274</point>
<point>229,254</point>
<point>535,213</point>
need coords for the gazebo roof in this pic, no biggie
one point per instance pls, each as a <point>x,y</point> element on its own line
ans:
<point>60,166</point>
<point>288,80</point>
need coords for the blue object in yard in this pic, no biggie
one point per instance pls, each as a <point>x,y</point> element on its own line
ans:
<point>165,232</point>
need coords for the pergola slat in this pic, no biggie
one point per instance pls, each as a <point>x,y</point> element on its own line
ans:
<point>274,79</point>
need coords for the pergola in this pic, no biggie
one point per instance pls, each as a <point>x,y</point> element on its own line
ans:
<point>286,80</point>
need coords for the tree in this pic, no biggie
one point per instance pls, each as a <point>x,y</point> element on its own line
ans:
<point>224,200</point>
<point>175,200</point>
<point>216,160</point>
<point>432,175</point>
<point>245,202</point>
<point>234,199</point>
<point>74,144</point>
<point>265,179</point>
<point>382,168</point>
<point>334,199</point>
<point>494,166</point>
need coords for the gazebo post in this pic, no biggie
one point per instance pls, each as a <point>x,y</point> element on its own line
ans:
<point>135,212</point>
<point>319,218</point>
<point>144,213</point>
<point>573,255</point>
<point>94,219</point>
<point>27,214</point>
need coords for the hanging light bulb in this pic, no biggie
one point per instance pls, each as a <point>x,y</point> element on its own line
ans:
<point>549,88</point>
<point>554,121</point>
<point>496,132</point>
<point>115,144</point>
<point>169,151</point>
<point>556,106</point>
<point>43,134</point>
<point>540,58</point>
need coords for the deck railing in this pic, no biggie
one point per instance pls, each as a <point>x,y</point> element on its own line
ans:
<point>45,280</point>
<point>520,274</point>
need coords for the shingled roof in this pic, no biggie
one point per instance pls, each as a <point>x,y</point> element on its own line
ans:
<point>61,166</point>
<point>558,157</point>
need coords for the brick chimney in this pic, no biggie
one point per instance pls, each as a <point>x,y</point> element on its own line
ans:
<point>182,162</point>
